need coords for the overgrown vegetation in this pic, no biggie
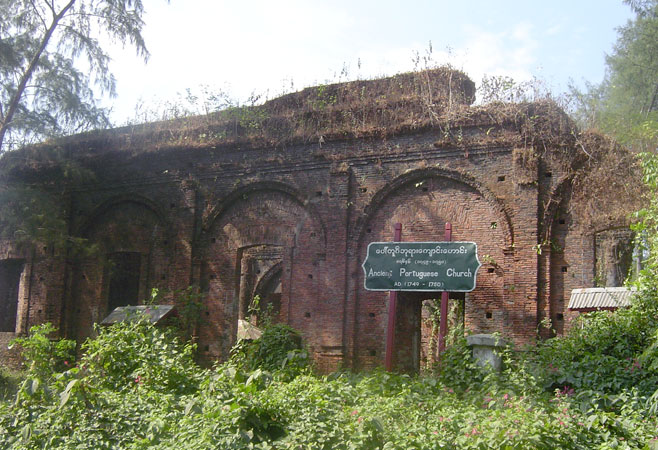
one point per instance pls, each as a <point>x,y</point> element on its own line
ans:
<point>10,380</point>
<point>361,108</point>
<point>137,387</point>
<point>43,355</point>
<point>278,350</point>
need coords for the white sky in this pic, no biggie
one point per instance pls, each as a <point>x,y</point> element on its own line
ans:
<point>273,47</point>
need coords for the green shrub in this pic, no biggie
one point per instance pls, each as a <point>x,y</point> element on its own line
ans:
<point>44,355</point>
<point>136,352</point>
<point>605,351</point>
<point>175,405</point>
<point>279,350</point>
<point>458,370</point>
<point>189,308</point>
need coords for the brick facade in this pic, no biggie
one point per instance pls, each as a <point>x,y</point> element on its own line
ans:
<point>291,224</point>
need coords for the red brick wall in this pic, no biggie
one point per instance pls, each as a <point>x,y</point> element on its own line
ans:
<point>203,216</point>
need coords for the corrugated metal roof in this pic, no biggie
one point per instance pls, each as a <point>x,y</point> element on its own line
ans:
<point>154,313</point>
<point>599,298</point>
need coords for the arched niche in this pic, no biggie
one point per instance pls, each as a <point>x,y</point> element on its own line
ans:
<point>130,253</point>
<point>423,201</point>
<point>421,181</point>
<point>255,229</point>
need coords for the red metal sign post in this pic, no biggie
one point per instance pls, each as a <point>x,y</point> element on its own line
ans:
<point>443,324</point>
<point>392,308</point>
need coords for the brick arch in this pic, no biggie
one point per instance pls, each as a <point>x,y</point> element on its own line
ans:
<point>268,277</point>
<point>115,202</point>
<point>417,176</point>
<point>252,224</point>
<point>130,230</point>
<point>423,201</point>
<point>271,277</point>
<point>266,186</point>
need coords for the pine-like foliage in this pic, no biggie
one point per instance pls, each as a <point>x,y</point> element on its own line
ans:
<point>52,58</point>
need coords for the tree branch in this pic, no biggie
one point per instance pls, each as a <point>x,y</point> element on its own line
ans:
<point>27,75</point>
<point>36,9</point>
<point>653,100</point>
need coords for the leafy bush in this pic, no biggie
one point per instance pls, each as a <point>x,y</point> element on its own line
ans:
<point>137,352</point>
<point>44,356</point>
<point>605,352</point>
<point>278,349</point>
<point>458,370</point>
<point>189,308</point>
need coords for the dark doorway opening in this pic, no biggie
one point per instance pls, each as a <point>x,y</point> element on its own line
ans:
<point>124,270</point>
<point>417,328</point>
<point>10,280</point>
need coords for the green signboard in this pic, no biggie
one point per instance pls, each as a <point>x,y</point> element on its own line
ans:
<point>421,266</point>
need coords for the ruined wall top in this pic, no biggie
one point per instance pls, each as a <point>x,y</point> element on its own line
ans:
<point>436,103</point>
<point>349,110</point>
<point>439,99</point>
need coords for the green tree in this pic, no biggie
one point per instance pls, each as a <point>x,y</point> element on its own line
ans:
<point>625,104</point>
<point>51,59</point>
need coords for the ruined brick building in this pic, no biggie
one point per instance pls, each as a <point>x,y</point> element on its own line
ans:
<point>281,201</point>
